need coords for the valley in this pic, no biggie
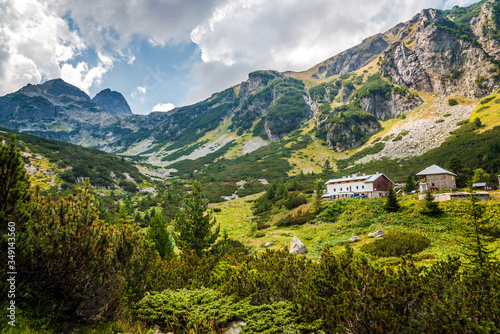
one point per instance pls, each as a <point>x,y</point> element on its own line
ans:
<point>183,221</point>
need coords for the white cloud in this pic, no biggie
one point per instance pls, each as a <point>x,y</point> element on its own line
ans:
<point>163,107</point>
<point>33,43</point>
<point>284,35</point>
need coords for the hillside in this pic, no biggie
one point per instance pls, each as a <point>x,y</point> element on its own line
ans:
<point>54,164</point>
<point>387,97</point>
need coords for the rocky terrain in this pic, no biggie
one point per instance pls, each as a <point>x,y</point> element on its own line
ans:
<point>451,53</point>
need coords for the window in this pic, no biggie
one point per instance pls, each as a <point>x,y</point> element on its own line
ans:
<point>340,189</point>
<point>362,187</point>
<point>357,187</point>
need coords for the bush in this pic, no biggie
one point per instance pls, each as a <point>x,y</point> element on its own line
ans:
<point>295,201</point>
<point>128,186</point>
<point>397,244</point>
<point>299,219</point>
<point>452,102</point>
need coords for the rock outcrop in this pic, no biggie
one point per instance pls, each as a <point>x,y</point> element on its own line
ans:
<point>439,58</point>
<point>354,58</point>
<point>297,246</point>
<point>114,102</point>
<point>395,106</point>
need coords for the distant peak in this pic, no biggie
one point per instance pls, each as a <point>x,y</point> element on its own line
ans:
<point>112,101</point>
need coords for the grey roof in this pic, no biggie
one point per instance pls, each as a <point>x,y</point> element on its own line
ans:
<point>366,178</point>
<point>435,169</point>
<point>480,184</point>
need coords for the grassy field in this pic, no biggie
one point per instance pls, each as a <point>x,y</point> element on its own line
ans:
<point>359,217</point>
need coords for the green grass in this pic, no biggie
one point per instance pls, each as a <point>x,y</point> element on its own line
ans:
<point>359,217</point>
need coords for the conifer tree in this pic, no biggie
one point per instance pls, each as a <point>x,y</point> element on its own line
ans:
<point>327,167</point>
<point>193,224</point>
<point>14,185</point>
<point>478,232</point>
<point>410,184</point>
<point>317,196</point>
<point>430,206</point>
<point>391,203</point>
<point>158,234</point>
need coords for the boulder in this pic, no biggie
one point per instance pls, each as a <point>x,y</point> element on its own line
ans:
<point>235,327</point>
<point>377,234</point>
<point>354,239</point>
<point>297,246</point>
<point>267,244</point>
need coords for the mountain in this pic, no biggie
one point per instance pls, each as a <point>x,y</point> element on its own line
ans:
<point>388,97</point>
<point>54,109</point>
<point>112,101</point>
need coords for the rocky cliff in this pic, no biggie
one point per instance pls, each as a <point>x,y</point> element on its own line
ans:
<point>440,56</point>
<point>114,102</point>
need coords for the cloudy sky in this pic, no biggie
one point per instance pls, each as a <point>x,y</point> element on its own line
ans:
<point>165,53</point>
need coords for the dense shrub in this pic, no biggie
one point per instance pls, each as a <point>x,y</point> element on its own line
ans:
<point>397,244</point>
<point>300,218</point>
<point>452,102</point>
<point>295,201</point>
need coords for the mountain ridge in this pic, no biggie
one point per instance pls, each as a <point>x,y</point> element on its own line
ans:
<point>412,68</point>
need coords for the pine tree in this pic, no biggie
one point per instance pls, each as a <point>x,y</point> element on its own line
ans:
<point>158,234</point>
<point>123,213</point>
<point>193,224</point>
<point>14,185</point>
<point>477,232</point>
<point>317,196</point>
<point>430,206</point>
<point>454,164</point>
<point>410,184</point>
<point>392,204</point>
<point>327,167</point>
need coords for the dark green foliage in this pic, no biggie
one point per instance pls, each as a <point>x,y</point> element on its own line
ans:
<point>478,233</point>
<point>410,184</point>
<point>14,186</point>
<point>193,224</point>
<point>397,244</point>
<point>327,167</point>
<point>226,245</point>
<point>332,211</point>
<point>295,201</point>
<point>128,186</point>
<point>375,85</point>
<point>94,164</point>
<point>318,196</point>
<point>429,206</point>
<point>299,218</point>
<point>487,99</point>
<point>392,203</point>
<point>452,102</point>
<point>158,234</point>
<point>71,259</point>
<point>455,165</point>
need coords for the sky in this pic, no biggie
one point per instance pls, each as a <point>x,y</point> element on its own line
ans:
<point>162,54</point>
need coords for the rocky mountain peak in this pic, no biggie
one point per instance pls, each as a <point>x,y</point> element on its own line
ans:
<point>112,101</point>
<point>55,88</point>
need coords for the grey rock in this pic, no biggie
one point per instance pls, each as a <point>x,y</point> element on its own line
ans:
<point>235,327</point>
<point>354,239</point>
<point>267,244</point>
<point>113,102</point>
<point>297,246</point>
<point>377,234</point>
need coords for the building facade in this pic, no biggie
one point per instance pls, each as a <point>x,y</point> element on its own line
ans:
<point>434,178</point>
<point>369,186</point>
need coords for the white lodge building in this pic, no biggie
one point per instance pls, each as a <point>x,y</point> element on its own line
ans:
<point>371,186</point>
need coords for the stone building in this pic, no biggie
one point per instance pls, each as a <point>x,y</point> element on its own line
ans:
<point>434,178</point>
